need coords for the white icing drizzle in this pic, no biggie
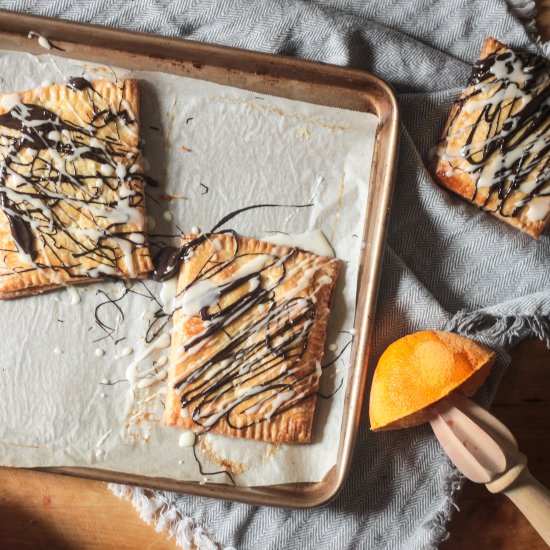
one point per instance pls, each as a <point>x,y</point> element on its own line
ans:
<point>160,393</point>
<point>44,43</point>
<point>106,170</point>
<point>74,296</point>
<point>103,438</point>
<point>162,361</point>
<point>168,295</point>
<point>9,101</point>
<point>538,209</point>
<point>152,376</point>
<point>42,40</point>
<point>125,352</point>
<point>311,241</point>
<point>507,148</point>
<point>142,379</point>
<point>99,451</point>
<point>203,294</point>
<point>42,192</point>
<point>121,171</point>
<point>285,322</point>
<point>186,439</point>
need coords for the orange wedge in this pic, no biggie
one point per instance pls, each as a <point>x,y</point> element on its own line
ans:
<point>420,369</point>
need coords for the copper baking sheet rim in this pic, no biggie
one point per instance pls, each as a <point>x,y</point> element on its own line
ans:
<point>274,75</point>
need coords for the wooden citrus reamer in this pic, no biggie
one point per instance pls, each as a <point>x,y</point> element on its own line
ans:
<point>485,451</point>
<point>421,378</point>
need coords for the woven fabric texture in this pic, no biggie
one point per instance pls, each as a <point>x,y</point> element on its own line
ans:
<point>447,264</point>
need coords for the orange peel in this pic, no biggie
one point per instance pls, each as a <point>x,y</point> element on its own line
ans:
<point>419,370</point>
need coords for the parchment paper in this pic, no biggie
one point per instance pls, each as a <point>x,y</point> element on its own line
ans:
<point>214,149</point>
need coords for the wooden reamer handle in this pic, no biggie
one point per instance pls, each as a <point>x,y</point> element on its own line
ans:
<point>531,498</point>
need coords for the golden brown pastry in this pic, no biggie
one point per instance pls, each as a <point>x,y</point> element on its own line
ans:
<point>495,149</point>
<point>72,203</point>
<point>249,332</point>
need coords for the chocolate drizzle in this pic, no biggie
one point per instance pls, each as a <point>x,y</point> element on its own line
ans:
<point>52,204</point>
<point>169,258</point>
<point>266,333</point>
<point>507,145</point>
<point>20,230</point>
<point>79,83</point>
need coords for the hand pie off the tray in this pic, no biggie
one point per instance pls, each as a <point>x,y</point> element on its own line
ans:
<point>249,331</point>
<point>495,149</point>
<point>71,186</point>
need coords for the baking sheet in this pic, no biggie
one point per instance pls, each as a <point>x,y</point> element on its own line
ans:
<point>213,149</point>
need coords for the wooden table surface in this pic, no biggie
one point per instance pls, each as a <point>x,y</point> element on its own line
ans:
<point>39,510</point>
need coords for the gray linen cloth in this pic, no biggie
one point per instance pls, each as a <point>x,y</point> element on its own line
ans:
<point>447,265</point>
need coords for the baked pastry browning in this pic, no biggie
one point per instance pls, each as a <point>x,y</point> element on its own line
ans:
<point>495,149</point>
<point>71,186</point>
<point>249,332</point>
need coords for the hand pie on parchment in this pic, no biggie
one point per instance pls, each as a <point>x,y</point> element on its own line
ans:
<point>495,149</point>
<point>249,332</point>
<point>72,202</point>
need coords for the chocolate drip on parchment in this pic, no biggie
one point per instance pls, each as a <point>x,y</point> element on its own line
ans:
<point>169,258</point>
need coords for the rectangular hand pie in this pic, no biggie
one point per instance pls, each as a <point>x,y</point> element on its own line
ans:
<point>72,201</point>
<point>495,149</point>
<point>249,332</point>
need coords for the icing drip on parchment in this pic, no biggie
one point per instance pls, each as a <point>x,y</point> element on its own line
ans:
<point>507,145</point>
<point>71,184</point>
